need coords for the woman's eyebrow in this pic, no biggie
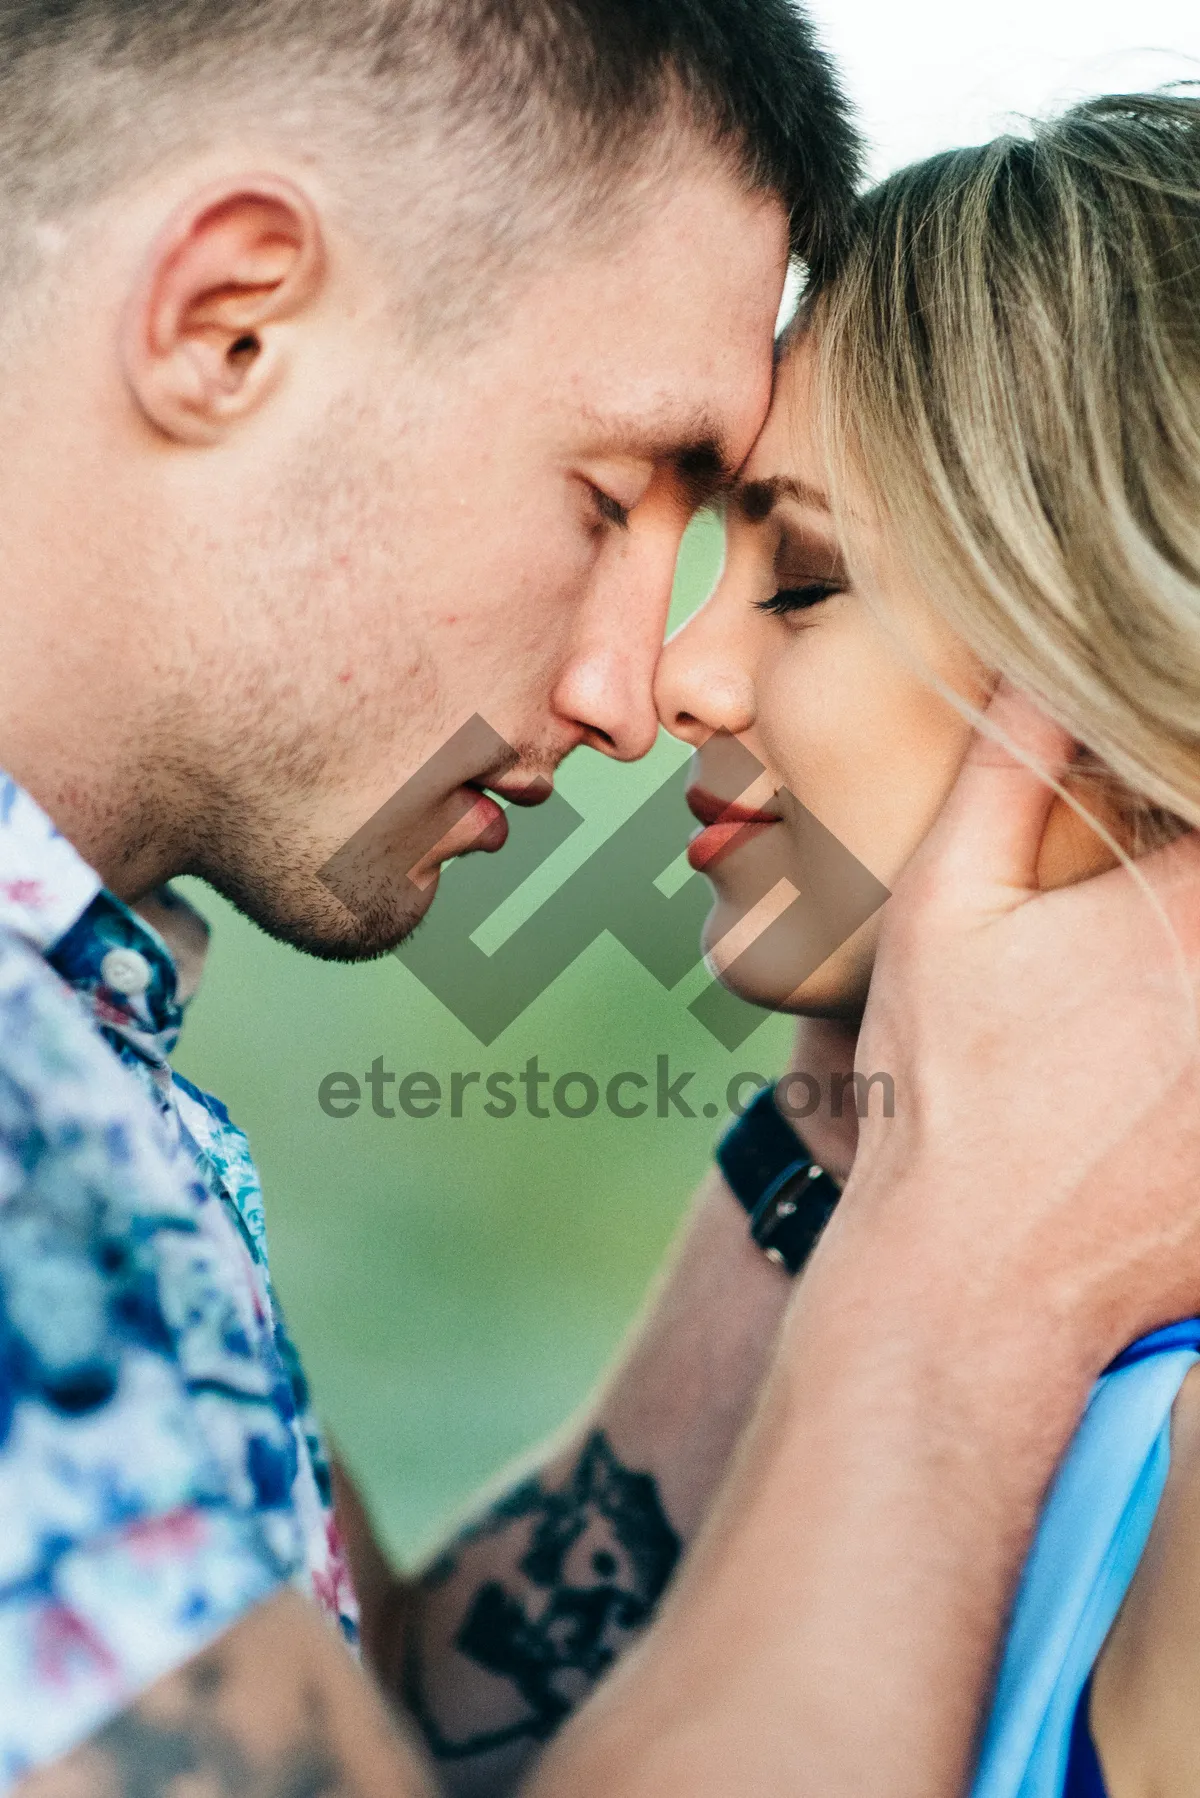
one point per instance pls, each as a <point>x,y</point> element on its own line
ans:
<point>756,500</point>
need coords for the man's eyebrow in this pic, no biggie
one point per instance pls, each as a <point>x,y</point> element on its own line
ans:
<point>694,448</point>
<point>704,470</point>
<point>756,500</point>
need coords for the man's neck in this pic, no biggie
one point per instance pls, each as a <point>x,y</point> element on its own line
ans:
<point>104,800</point>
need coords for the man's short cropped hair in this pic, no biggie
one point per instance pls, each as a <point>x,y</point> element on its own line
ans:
<point>513,117</point>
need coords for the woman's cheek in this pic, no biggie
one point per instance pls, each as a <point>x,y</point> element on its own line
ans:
<point>861,738</point>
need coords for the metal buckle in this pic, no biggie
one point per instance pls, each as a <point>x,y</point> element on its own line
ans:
<point>792,1213</point>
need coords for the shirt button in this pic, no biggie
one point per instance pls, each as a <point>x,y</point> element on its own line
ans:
<point>126,972</point>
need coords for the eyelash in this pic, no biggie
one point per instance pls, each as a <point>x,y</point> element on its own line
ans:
<point>797,599</point>
<point>611,510</point>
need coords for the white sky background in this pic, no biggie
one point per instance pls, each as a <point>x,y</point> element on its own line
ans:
<point>928,74</point>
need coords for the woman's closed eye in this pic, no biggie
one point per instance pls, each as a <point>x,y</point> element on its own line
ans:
<point>801,597</point>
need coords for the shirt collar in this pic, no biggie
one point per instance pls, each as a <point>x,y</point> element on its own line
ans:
<point>45,884</point>
<point>56,902</point>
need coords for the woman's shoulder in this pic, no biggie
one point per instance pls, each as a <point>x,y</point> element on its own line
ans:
<point>1145,1717</point>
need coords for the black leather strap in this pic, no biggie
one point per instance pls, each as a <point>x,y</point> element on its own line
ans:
<point>789,1197</point>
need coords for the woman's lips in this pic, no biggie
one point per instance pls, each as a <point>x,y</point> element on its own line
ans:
<point>726,824</point>
<point>716,840</point>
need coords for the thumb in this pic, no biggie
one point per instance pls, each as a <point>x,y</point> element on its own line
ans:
<point>992,825</point>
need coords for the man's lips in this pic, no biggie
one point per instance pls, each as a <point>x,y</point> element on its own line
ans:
<point>528,792</point>
<point>726,824</point>
<point>485,826</point>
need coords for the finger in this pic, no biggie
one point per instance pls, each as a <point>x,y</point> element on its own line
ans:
<point>992,825</point>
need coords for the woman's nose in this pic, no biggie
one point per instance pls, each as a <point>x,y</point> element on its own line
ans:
<point>704,683</point>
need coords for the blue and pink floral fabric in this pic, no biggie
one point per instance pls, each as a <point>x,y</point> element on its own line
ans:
<point>160,1469</point>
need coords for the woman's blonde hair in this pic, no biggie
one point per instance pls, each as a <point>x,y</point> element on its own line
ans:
<point>1009,355</point>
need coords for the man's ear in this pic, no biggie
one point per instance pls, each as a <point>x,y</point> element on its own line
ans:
<point>205,336</point>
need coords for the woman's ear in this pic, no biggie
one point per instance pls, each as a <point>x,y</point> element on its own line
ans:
<point>205,337</point>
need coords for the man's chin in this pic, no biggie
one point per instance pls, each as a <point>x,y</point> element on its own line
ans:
<point>311,918</point>
<point>376,931</point>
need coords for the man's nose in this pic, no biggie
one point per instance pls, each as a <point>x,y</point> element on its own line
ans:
<point>613,699</point>
<point>607,687</point>
<point>703,682</point>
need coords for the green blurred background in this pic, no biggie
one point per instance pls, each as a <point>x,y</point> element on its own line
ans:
<point>457,1285</point>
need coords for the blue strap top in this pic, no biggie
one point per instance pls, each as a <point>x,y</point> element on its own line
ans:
<point>1085,1776</point>
<point>1091,1537</point>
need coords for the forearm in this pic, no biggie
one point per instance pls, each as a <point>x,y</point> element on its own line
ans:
<point>835,1628</point>
<point>492,1648</point>
<point>506,1644</point>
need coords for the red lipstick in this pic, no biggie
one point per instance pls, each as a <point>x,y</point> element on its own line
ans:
<point>726,825</point>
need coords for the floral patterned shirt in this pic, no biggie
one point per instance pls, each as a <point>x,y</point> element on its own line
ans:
<point>160,1470</point>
